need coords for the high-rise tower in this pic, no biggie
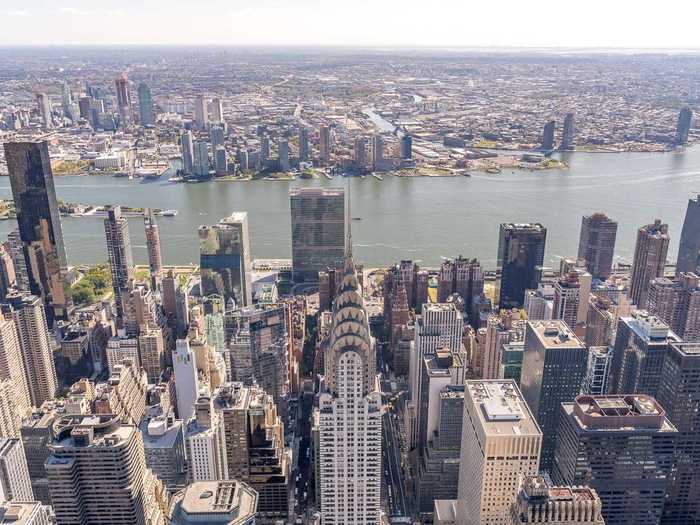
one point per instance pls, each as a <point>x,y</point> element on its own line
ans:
<point>123,100</point>
<point>520,259</point>
<point>121,260</point>
<point>155,259</point>
<point>689,247</point>
<point>145,105</point>
<point>596,244</point>
<point>649,260</point>
<point>39,224</point>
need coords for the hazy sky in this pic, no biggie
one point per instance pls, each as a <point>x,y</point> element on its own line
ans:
<point>539,23</point>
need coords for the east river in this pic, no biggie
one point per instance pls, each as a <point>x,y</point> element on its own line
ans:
<point>419,218</point>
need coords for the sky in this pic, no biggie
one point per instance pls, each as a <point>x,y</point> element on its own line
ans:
<point>383,23</point>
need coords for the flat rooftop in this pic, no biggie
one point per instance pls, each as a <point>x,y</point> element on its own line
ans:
<point>317,192</point>
<point>555,334</point>
<point>619,412</point>
<point>502,409</point>
<point>219,502</point>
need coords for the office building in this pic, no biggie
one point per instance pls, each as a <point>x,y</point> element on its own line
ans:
<point>44,104</point>
<point>15,484</point>
<point>12,365</point>
<point>597,379</point>
<point>596,244</point>
<point>225,259</point>
<point>123,394</point>
<point>37,352</point>
<point>303,144</point>
<point>520,259</point>
<point>146,112</point>
<point>689,246</point>
<point>186,381</point>
<point>600,321</point>
<point>318,230</point>
<point>254,446</point>
<point>567,298</point>
<point>122,348</point>
<point>201,158</point>
<point>164,448</point>
<point>81,493</point>
<point>152,353</point>
<point>201,112</point>
<point>214,503</point>
<point>567,136</point>
<point>206,455</point>
<point>540,502</point>
<point>155,259</point>
<point>123,100</point>
<point>501,329</point>
<point>623,447</point>
<point>216,113</point>
<point>539,304</point>
<point>44,255</point>
<point>121,260</point>
<point>554,365</point>
<point>548,135</point>
<point>36,433</point>
<point>641,346</point>
<point>677,303</point>
<point>324,144</point>
<point>350,441</point>
<point>685,119</point>
<point>500,444</point>
<point>679,394</point>
<point>649,260</point>
<point>461,276</point>
<point>187,148</point>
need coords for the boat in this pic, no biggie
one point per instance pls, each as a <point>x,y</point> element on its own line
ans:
<point>150,173</point>
<point>357,218</point>
<point>377,176</point>
<point>168,213</point>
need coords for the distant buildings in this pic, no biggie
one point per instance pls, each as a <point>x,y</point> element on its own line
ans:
<point>500,444</point>
<point>325,144</point>
<point>520,259</point>
<point>225,259</point>
<point>146,113</point>
<point>649,260</point>
<point>318,230</point>
<point>406,147</point>
<point>623,447</point>
<point>596,244</point>
<point>689,247</point>
<point>201,159</point>
<point>40,233</point>
<point>554,366</point>
<point>42,100</point>
<point>685,117</point>
<point>123,100</point>
<point>201,112</point>
<point>567,136</point>
<point>548,135</point>
<point>187,147</point>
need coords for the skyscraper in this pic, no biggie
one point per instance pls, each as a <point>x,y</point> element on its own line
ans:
<point>406,146</point>
<point>225,257</point>
<point>39,224</point>
<point>145,105</point>
<point>186,381</point>
<point>187,146</point>
<point>548,135</point>
<point>155,259</point>
<point>677,303</point>
<point>567,136</point>
<point>12,364</point>
<point>520,259</point>
<point>97,474</point>
<point>540,502</point>
<point>217,111</point>
<point>123,99</point>
<point>360,151</point>
<point>220,162</point>
<point>685,118</point>
<point>121,260</point>
<point>623,447</point>
<point>318,230</point>
<point>37,352</point>
<point>554,365</point>
<point>216,136</point>
<point>679,394</point>
<point>689,247</point>
<point>325,144</point>
<point>201,112</point>
<point>596,244</point>
<point>377,151</point>
<point>567,297</point>
<point>500,444</point>
<point>42,100</point>
<point>303,144</point>
<point>15,484</point>
<point>201,158</point>
<point>283,152</point>
<point>649,260</point>
<point>350,438</point>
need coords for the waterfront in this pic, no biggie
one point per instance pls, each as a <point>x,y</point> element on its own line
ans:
<point>416,218</point>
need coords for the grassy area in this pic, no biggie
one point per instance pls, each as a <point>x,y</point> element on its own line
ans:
<point>93,286</point>
<point>69,167</point>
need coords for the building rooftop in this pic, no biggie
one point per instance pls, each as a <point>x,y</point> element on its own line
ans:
<point>619,412</point>
<point>214,503</point>
<point>326,192</point>
<point>503,411</point>
<point>158,433</point>
<point>649,327</point>
<point>687,349</point>
<point>20,512</point>
<point>555,334</point>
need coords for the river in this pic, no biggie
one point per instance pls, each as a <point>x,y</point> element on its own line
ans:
<point>405,218</point>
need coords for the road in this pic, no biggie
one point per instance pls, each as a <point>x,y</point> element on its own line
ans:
<point>303,484</point>
<point>391,463</point>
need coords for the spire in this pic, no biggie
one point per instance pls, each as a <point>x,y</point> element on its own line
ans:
<point>349,262</point>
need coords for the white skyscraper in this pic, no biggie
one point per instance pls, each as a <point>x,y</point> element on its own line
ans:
<point>500,444</point>
<point>186,384</point>
<point>350,413</point>
<point>205,442</point>
<point>11,365</point>
<point>14,474</point>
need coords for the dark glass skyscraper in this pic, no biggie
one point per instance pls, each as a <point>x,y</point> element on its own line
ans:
<point>548,135</point>
<point>689,248</point>
<point>520,258</point>
<point>39,223</point>
<point>121,260</point>
<point>685,117</point>
<point>145,105</point>
<point>567,136</point>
